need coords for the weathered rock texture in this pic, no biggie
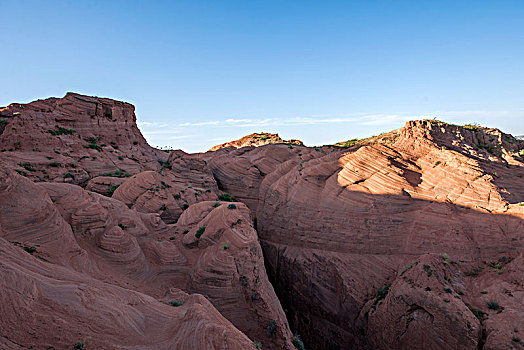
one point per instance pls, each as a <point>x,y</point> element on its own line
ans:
<point>75,138</point>
<point>256,140</point>
<point>412,238</point>
<point>339,225</point>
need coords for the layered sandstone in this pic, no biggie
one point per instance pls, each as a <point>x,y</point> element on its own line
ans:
<point>256,140</point>
<point>411,237</point>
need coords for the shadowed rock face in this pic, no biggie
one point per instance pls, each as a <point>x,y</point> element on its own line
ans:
<point>400,240</point>
<point>338,225</point>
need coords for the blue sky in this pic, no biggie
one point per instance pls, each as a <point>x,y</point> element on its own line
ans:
<point>204,72</point>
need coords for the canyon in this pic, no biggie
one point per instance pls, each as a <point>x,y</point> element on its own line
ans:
<point>410,239</point>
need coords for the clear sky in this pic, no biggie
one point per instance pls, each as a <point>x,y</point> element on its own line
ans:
<point>204,72</point>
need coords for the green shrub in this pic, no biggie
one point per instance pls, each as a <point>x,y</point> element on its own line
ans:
<point>381,294</point>
<point>185,206</point>
<point>79,345</point>
<point>27,166</point>
<point>61,131</point>
<point>472,127</point>
<point>515,339</point>
<point>54,164</point>
<point>200,232</point>
<point>216,204</point>
<point>478,313</point>
<point>271,328</point>
<point>112,190</point>
<point>493,305</point>
<point>69,176</point>
<point>226,197</point>
<point>117,173</point>
<point>474,271</point>
<point>30,250</point>
<point>231,206</point>
<point>448,290</point>
<point>3,122</point>
<point>298,343</point>
<point>176,303</point>
<point>257,345</point>
<point>185,232</point>
<point>350,143</point>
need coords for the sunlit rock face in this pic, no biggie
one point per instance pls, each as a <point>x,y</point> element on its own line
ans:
<point>256,140</point>
<point>339,225</point>
<point>411,237</point>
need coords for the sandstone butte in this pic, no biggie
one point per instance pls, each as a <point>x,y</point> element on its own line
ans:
<point>412,239</point>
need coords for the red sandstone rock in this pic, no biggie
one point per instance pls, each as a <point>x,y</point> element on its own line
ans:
<point>412,237</point>
<point>256,140</point>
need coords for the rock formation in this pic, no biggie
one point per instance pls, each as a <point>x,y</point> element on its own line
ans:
<point>257,140</point>
<point>411,237</point>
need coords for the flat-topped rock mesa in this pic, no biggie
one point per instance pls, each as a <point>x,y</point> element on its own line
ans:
<point>74,138</point>
<point>257,140</point>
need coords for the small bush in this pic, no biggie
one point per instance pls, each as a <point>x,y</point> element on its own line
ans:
<point>474,271</point>
<point>61,131</point>
<point>472,127</point>
<point>298,343</point>
<point>446,300</point>
<point>226,197</point>
<point>30,249</point>
<point>117,173</point>
<point>69,176</point>
<point>515,339</point>
<point>3,122</point>
<point>27,166</point>
<point>257,345</point>
<point>185,206</point>
<point>483,292</point>
<point>231,206</point>
<point>54,164</point>
<point>79,345</point>
<point>271,329</point>
<point>112,190</point>
<point>381,294</point>
<point>216,204</point>
<point>224,246</point>
<point>493,305</point>
<point>448,290</point>
<point>185,232</point>
<point>176,303</point>
<point>200,232</point>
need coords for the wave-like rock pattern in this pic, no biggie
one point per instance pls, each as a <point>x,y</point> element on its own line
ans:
<point>37,300</point>
<point>420,189</point>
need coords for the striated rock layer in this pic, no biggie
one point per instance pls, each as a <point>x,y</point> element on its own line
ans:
<point>256,140</point>
<point>412,237</point>
<point>339,227</point>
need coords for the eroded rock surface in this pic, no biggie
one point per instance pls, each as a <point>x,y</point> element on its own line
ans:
<point>412,237</point>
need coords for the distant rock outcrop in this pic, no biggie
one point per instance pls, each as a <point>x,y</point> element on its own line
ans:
<point>256,140</point>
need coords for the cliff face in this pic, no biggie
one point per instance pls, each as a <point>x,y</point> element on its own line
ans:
<point>256,140</point>
<point>342,227</point>
<point>74,138</point>
<point>412,237</point>
<point>119,251</point>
